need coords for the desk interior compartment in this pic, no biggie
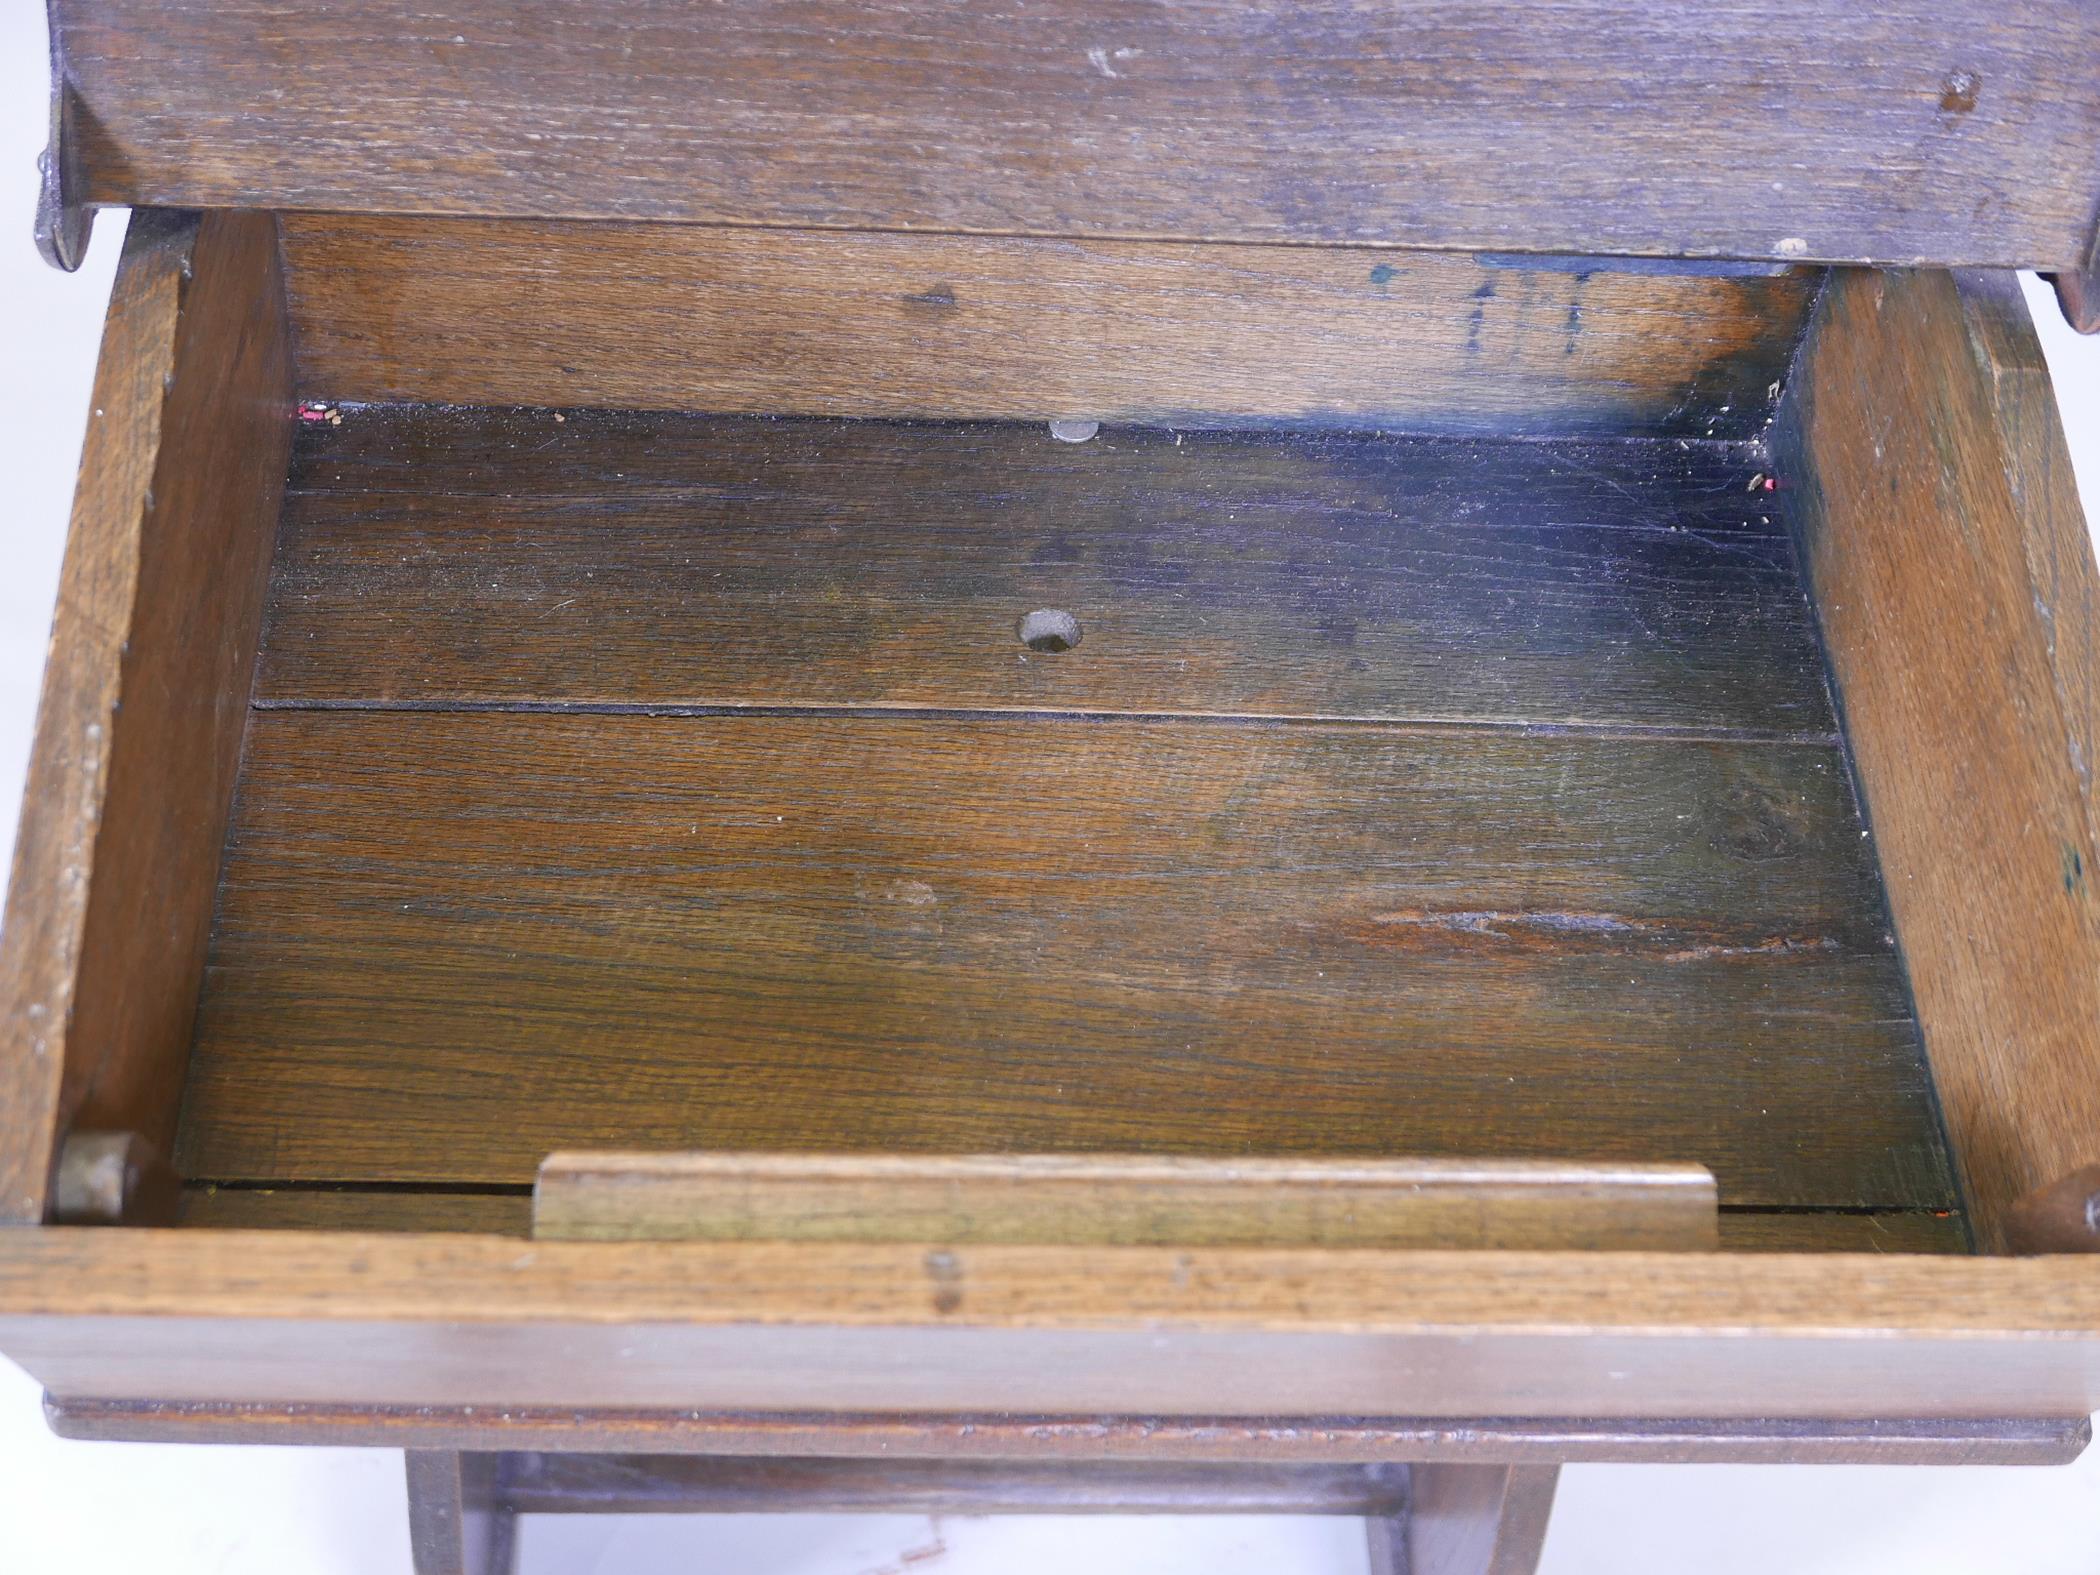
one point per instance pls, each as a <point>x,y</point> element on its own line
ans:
<point>679,691</point>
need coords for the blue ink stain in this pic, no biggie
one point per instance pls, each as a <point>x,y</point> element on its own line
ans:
<point>1478,319</point>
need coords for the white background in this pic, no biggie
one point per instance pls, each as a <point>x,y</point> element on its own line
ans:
<point>89,1508</point>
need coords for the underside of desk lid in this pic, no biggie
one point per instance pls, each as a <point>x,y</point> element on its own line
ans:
<point>1821,130</point>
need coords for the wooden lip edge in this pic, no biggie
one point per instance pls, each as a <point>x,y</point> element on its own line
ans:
<point>1493,1440</point>
<point>72,1276</point>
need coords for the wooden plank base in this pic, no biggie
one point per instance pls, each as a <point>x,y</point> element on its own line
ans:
<point>666,782</point>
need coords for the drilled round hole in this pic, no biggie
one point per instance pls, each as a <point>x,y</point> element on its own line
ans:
<point>1050,629</point>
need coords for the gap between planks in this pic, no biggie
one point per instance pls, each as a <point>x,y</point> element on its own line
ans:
<point>1433,725</point>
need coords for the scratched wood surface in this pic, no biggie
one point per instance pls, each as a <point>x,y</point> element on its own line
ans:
<point>1831,129</point>
<point>843,323</point>
<point>482,911</point>
<point>510,556</point>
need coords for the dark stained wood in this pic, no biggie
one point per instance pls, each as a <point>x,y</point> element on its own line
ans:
<point>435,557</point>
<point>145,694</point>
<point>1123,1200</point>
<point>292,1316</point>
<point>1926,472</point>
<point>1471,1520</point>
<point>458,1522</point>
<point>509,1213</point>
<point>1346,1440</point>
<point>1916,1230</point>
<point>450,944</point>
<point>836,323</point>
<point>1788,128</point>
<point>358,1209</point>
<point>2061,1217</point>
<point>605,1483</point>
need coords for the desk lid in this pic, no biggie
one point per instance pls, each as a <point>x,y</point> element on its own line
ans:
<point>1912,132</point>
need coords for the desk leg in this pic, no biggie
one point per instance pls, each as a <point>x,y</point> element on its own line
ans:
<point>1467,1520</point>
<point>458,1523</point>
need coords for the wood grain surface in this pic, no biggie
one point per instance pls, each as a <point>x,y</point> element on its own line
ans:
<point>827,322</point>
<point>1912,132</point>
<point>451,943</point>
<point>1123,1200</point>
<point>294,1316</point>
<point>1925,469</point>
<point>145,694</point>
<point>650,560</point>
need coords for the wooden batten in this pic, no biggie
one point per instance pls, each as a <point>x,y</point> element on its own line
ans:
<point>834,323</point>
<point>145,694</point>
<point>1925,470</point>
<point>1111,1200</point>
